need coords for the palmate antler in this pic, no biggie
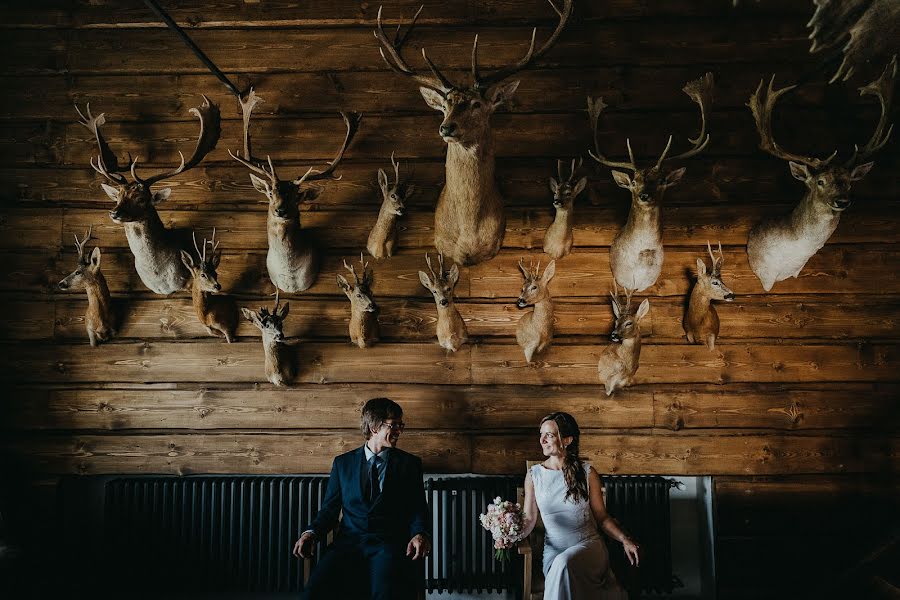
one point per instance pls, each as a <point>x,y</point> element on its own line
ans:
<point>699,90</point>
<point>107,163</point>
<point>391,52</point>
<point>80,244</point>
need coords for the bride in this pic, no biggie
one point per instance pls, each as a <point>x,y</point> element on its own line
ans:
<point>568,494</point>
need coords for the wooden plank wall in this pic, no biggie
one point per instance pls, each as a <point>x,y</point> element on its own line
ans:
<point>803,383</point>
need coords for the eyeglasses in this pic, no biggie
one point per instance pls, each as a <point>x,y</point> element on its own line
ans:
<point>396,426</point>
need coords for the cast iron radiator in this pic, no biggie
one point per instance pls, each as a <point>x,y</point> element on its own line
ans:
<point>236,532</point>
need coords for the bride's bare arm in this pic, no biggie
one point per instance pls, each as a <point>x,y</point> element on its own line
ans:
<point>606,522</point>
<point>530,507</point>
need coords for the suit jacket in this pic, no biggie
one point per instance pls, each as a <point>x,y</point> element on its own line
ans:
<point>398,514</point>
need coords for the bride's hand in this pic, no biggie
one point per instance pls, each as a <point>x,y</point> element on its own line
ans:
<point>631,551</point>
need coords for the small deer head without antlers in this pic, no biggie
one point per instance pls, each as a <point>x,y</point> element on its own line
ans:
<point>466,109</point>
<point>363,310</point>
<point>648,184</point>
<point>134,200</point>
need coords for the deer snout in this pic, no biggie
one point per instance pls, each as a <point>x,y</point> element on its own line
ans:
<point>115,215</point>
<point>281,213</point>
<point>615,337</point>
<point>63,285</point>
<point>521,303</point>
<point>840,203</point>
<point>444,302</point>
<point>729,296</point>
<point>448,129</point>
<point>217,286</point>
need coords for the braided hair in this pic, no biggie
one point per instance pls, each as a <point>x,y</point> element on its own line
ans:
<point>573,467</point>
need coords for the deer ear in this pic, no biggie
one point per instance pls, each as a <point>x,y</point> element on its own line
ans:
<point>861,171</point>
<point>95,258</point>
<point>112,192</point>
<point>615,307</point>
<point>701,267</point>
<point>309,194</point>
<point>579,187</point>
<point>432,98</point>
<point>187,259</point>
<point>549,272</point>
<point>284,310</point>
<point>382,180</point>
<point>622,179</point>
<point>502,92</point>
<point>642,310</point>
<point>161,195</point>
<point>453,275</point>
<point>342,282</point>
<point>259,184</point>
<point>554,185</point>
<point>426,281</point>
<point>674,177</point>
<point>409,191</point>
<point>799,171</point>
<point>217,257</point>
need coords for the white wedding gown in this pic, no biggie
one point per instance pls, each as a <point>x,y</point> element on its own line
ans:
<point>576,563</point>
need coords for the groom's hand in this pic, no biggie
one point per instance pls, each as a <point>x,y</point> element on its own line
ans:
<point>306,545</point>
<point>418,547</point>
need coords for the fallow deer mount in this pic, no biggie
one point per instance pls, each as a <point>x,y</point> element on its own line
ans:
<point>620,360</point>
<point>469,222</point>
<point>534,331</point>
<point>363,310</point>
<point>156,249</point>
<point>558,238</point>
<point>636,254</point>
<point>451,329</point>
<point>383,237</point>
<point>217,312</point>
<point>280,369</point>
<point>99,319</point>
<point>779,247</point>
<point>701,322</point>
<point>293,260</point>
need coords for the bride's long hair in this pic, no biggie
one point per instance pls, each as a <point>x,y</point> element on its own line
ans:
<point>573,468</point>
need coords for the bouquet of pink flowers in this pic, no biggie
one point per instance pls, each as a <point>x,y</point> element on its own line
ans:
<point>506,522</point>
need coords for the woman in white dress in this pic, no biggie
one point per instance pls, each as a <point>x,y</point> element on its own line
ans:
<point>568,494</point>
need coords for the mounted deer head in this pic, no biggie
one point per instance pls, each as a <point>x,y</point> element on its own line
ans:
<point>293,261</point>
<point>218,313</point>
<point>620,360</point>
<point>280,369</point>
<point>155,248</point>
<point>383,236</point>
<point>701,322</point>
<point>99,319</point>
<point>363,310</point>
<point>469,220</point>
<point>636,254</point>
<point>779,248</point>
<point>451,329</point>
<point>558,239</point>
<point>534,331</point>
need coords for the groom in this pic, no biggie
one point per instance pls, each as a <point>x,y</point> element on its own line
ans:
<point>385,516</point>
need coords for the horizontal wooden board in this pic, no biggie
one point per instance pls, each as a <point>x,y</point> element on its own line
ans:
<point>700,454</point>
<point>321,362</point>
<point>719,182</point>
<point>185,454</point>
<point>446,452</point>
<point>429,407</point>
<point>123,15</point>
<point>340,48</point>
<point>415,319</point>
<point>288,95</point>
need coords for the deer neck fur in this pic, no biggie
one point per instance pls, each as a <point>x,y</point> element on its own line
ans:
<point>628,351</point>
<point>813,220</point>
<point>699,305</point>
<point>282,232</point>
<point>148,234</point>
<point>200,299</point>
<point>98,295</point>
<point>470,175</point>
<point>543,312</point>
<point>643,222</point>
<point>272,350</point>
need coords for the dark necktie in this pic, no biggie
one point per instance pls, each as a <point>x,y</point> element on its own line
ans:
<point>373,478</point>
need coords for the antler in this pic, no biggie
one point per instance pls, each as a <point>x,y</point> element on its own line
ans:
<point>396,169</point>
<point>761,105</point>
<point>595,107</point>
<point>351,120</point>
<point>107,163</point>
<point>883,87</point>
<point>700,91</point>
<point>481,82</point>
<point>210,130</point>
<point>716,260</point>
<point>248,103</point>
<point>393,49</point>
<point>574,168</point>
<point>441,274</point>
<point>615,298</point>
<point>80,244</point>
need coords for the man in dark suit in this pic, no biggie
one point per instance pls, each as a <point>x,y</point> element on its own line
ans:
<point>385,524</point>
